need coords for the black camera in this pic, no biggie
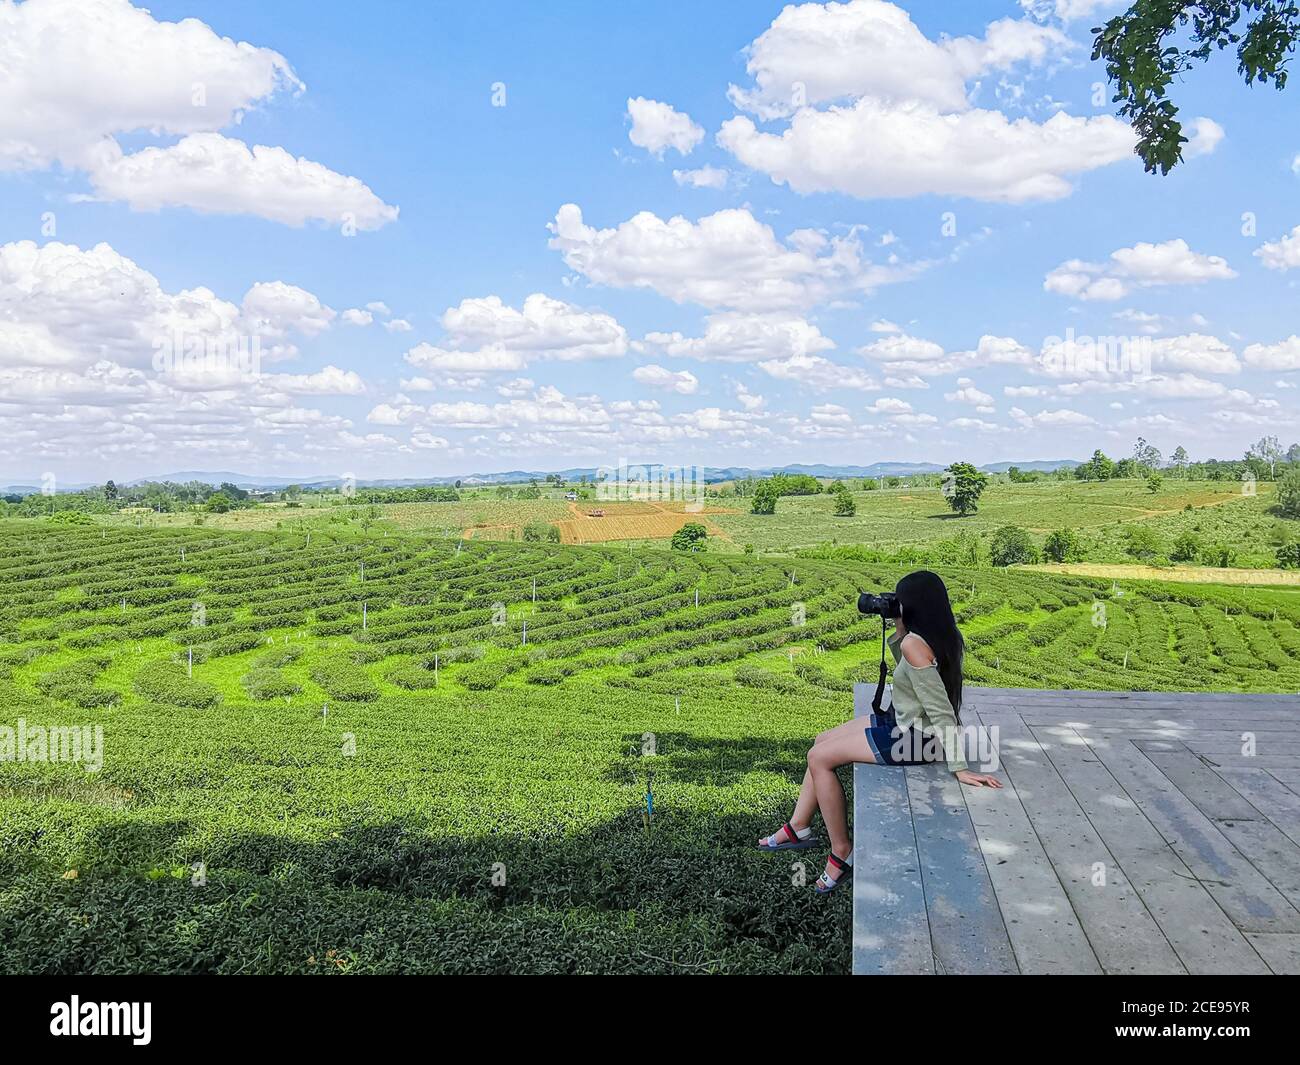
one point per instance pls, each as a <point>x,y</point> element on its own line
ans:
<point>885,606</point>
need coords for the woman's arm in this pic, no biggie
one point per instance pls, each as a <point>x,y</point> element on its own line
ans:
<point>930,690</point>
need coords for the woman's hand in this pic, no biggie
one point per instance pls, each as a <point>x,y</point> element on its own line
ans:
<point>977,780</point>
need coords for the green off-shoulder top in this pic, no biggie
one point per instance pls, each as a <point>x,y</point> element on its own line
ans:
<point>921,702</point>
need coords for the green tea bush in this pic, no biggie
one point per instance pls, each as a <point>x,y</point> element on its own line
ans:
<point>345,681</point>
<point>168,682</point>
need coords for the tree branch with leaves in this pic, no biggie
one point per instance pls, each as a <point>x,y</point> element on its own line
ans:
<point>1142,59</point>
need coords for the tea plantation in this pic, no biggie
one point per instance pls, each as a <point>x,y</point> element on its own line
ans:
<point>402,753</point>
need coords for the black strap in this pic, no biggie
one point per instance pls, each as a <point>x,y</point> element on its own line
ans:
<point>880,686</point>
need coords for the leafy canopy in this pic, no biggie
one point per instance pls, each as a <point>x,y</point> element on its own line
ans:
<point>1141,62</point>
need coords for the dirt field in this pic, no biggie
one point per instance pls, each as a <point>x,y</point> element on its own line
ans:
<point>632,521</point>
<point>1183,574</point>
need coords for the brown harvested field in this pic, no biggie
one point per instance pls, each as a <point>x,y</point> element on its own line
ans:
<point>1181,574</point>
<point>632,521</point>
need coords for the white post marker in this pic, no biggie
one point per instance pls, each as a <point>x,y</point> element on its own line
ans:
<point>697,597</point>
<point>435,669</point>
<point>677,704</point>
<point>534,589</point>
<point>190,669</point>
<point>364,604</point>
<point>525,632</point>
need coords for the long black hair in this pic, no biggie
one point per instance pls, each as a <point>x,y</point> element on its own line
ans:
<point>928,613</point>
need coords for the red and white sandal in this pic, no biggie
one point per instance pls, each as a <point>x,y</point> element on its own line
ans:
<point>825,885</point>
<point>786,838</point>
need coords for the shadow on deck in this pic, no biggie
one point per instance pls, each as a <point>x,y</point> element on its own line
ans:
<point>1138,832</point>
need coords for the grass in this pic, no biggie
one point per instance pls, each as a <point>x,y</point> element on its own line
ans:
<point>887,520</point>
<point>493,822</point>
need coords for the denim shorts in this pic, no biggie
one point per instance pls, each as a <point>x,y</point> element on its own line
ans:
<point>897,746</point>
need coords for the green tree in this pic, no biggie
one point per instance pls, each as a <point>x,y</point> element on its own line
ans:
<point>1143,542</point>
<point>1147,454</point>
<point>1154,482</point>
<point>1186,547</point>
<point>963,487</point>
<point>1222,555</point>
<point>1288,556</point>
<point>110,491</point>
<point>845,507</point>
<point>1267,449</point>
<point>1179,460</point>
<point>1142,61</point>
<point>1012,545</point>
<point>690,537</point>
<point>1097,468</point>
<point>219,503</point>
<point>1288,493</point>
<point>1061,546</point>
<point>765,496</point>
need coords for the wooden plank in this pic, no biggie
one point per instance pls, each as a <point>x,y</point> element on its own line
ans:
<point>891,929</point>
<point>1249,761</point>
<point>1280,951</point>
<point>966,927</point>
<point>1246,896</point>
<point>1153,716</point>
<point>1260,841</point>
<point>1082,696</point>
<point>1180,726</point>
<point>1122,932</point>
<point>1269,795</point>
<point>1205,940</point>
<point>1202,786</point>
<point>1036,902</point>
<point>1045,933</point>
<point>1226,738</point>
<point>1289,777</point>
<point>1268,849</point>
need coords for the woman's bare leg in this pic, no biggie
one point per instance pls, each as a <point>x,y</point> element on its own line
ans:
<point>806,805</point>
<point>823,760</point>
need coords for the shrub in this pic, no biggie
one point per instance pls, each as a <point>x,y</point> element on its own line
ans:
<point>765,496</point>
<point>345,681</point>
<point>167,682</point>
<point>1219,555</point>
<point>413,676</point>
<point>71,517</point>
<point>1288,493</point>
<point>1186,548</point>
<point>1288,556</point>
<point>75,683</point>
<point>690,537</point>
<point>1062,546</point>
<point>264,683</point>
<point>1012,545</point>
<point>541,532</point>
<point>845,507</point>
<point>1143,542</point>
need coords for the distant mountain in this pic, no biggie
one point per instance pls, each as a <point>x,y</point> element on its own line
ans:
<point>240,480</point>
<point>1035,465</point>
<point>711,474</point>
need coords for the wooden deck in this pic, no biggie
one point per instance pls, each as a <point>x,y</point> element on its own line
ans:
<point>1133,836</point>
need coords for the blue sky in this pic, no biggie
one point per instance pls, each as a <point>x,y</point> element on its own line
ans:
<point>888,198</point>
